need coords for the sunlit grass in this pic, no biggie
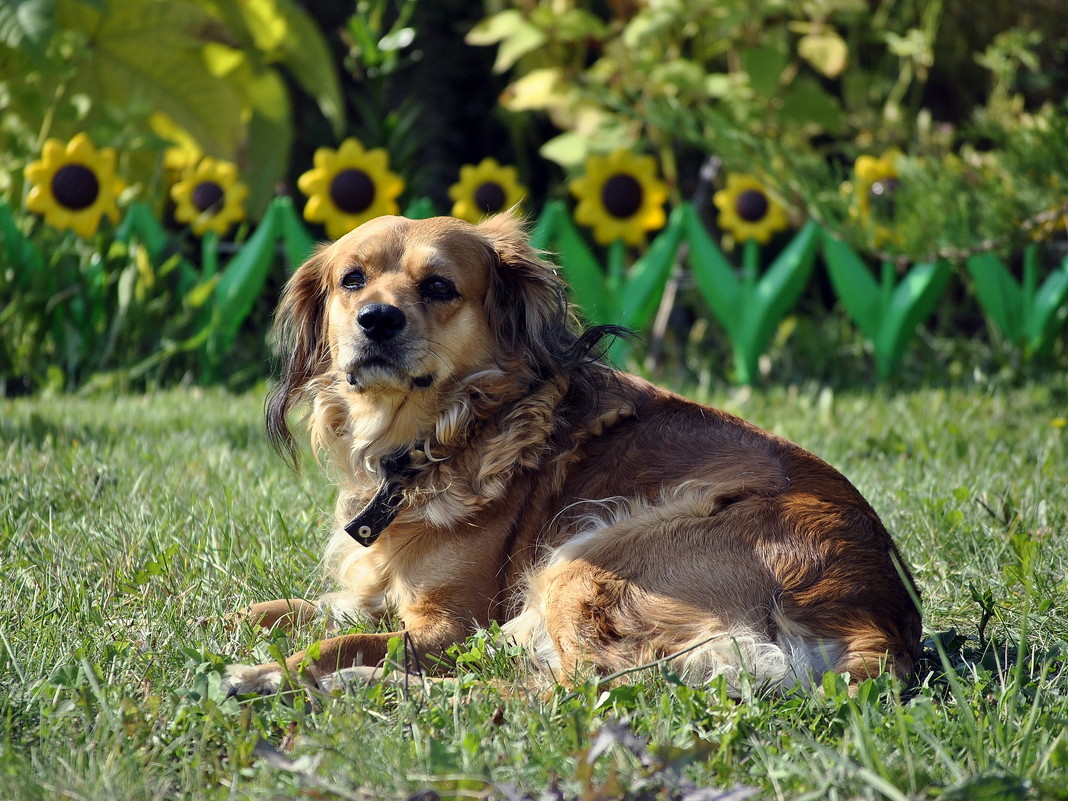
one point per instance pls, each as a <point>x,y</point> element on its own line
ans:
<point>130,526</point>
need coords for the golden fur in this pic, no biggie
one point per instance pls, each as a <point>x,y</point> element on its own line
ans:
<point>603,521</point>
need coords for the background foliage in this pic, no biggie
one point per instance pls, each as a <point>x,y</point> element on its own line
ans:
<point>792,91</point>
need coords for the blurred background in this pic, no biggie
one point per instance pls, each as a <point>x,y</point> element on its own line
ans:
<point>898,167</point>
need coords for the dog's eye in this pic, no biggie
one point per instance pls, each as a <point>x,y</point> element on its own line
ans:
<point>437,288</point>
<point>353,279</point>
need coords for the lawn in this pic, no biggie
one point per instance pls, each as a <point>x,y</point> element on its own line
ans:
<point>130,526</point>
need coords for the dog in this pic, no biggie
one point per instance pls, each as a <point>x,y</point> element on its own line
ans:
<point>492,466</point>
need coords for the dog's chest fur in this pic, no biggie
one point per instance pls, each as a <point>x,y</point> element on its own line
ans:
<point>488,501</point>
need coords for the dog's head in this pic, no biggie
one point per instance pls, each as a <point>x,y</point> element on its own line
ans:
<point>396,315</point>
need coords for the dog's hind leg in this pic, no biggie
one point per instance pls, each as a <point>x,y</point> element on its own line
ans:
<point>663,582</point>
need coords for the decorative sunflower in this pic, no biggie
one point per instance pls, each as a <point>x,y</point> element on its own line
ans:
<point>620,197</point>
<point>210,197</point>
<point>349,186</point>
<point>74,185</point>
<point>747,211</point>
<point>484,189</point>
<point>877,179</point>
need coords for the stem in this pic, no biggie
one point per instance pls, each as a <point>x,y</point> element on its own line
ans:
<point>750,263</point>
<point>616,256</point>
<point>210,250</point>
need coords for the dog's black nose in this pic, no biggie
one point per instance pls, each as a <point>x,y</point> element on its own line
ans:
<point>380,321</point>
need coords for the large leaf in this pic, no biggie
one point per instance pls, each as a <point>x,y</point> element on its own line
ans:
<point>854,284</point>
<point>270,138</point>
<point>712,272</point>
<point>21,255</point>
<point>912,300</point>
<point>1047,316</point>
<point>782,284</point>
<point>139,223</point>
<point>306,56</point>
<point>150,54</point>
<point>296,241</point>
<point>511,30</point>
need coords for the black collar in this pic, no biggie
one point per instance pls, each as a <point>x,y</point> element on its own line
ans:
<point>375,517</point>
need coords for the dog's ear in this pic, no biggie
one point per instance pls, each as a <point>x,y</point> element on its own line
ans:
<point>299,337</point>
<point>526,302</point>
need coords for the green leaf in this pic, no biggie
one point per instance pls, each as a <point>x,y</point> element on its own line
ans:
<point>913,299</point>
<point>998,293</point>
<point>27,25</point>
<point>713,273</point>
<point>200,293</point>
<point>270,138</point>
<point>21,254</point>
<point>512,32</point>
<point>1026,314</point>
<point>764,65</point>
<point>854,284</point>
<point>750,310</point>
<point>644,285</point>
<point>889,312</point>
<point>140,224</point>
<point>297,242</point>
<point>827,52</point>
<point>805,102</point>
<point>554,231</point>
<point>1046,319</point>
<point>151,53</point>
<point>783,282</point>
<point>307,57</point>
<point>241,283</point>
<point>422,208</point>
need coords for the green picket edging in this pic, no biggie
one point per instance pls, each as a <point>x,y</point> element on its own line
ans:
<point>748,300</point>
<point>242,279</point>
<point>619,295</point>
<point>554,232</point>
<point>1025,313</point>
<point>750,309</point>
<point>887,312</point>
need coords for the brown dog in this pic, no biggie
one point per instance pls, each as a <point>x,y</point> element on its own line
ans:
<point>492,467</point>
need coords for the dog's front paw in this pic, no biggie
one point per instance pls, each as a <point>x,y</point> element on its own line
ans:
<point>253,680</point>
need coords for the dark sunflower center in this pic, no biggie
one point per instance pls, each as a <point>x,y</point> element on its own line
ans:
<point>206,195</point>
<point>489,197</point>
<point>751,205</point>
<point>75,187</point>
<point>882,194</point>
<point>352,191</point>
<point>622,196</point>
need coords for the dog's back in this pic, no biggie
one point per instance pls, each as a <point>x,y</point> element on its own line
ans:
<point>687,531</point>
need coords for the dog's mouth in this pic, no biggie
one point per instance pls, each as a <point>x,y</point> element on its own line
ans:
<point>379,373</point>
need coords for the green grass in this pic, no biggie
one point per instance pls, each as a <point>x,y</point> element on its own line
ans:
<point>129,527</point>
